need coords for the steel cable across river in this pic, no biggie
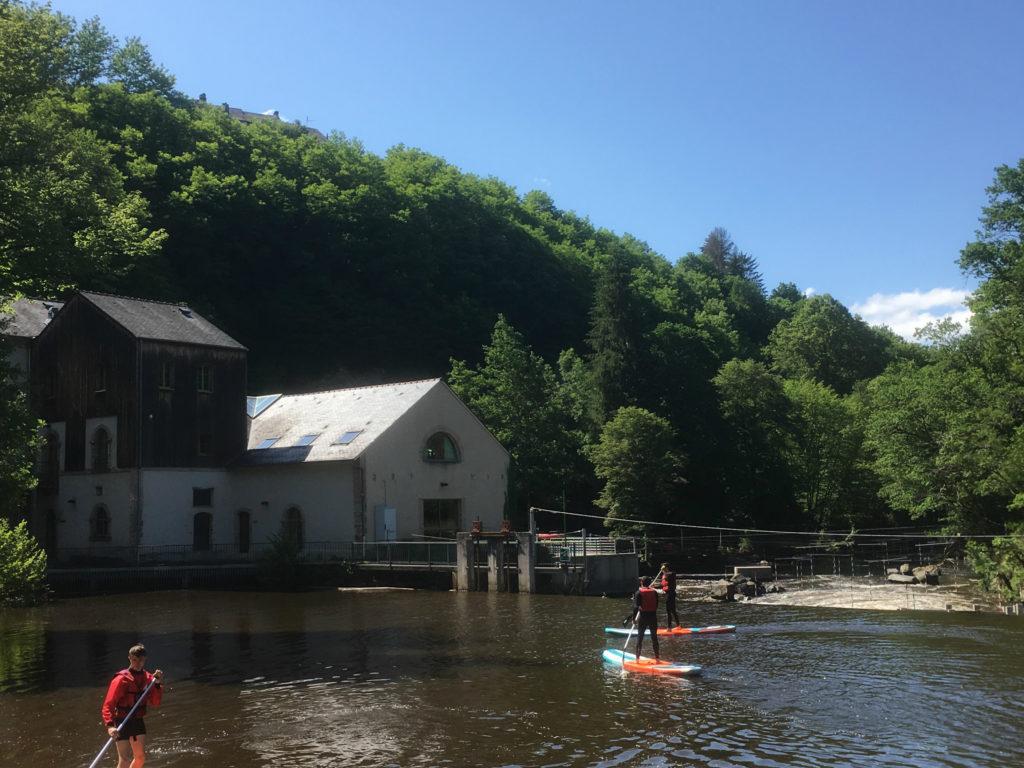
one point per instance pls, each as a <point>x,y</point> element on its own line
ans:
<point>475,679</point>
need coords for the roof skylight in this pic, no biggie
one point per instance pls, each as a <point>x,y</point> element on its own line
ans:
<point>348,437</point>
<point>306,440</point>
<point>267,443</point>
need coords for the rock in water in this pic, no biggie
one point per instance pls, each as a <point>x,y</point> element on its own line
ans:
<point>723,590</point>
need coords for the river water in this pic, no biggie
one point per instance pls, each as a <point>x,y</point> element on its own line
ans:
<point>446,679</point>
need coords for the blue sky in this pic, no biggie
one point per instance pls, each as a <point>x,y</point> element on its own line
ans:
<point>847,146</point>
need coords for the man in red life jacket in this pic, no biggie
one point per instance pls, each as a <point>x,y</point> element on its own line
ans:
<point>645,614</point>
<point>124,691</point>
<point>668,584</point>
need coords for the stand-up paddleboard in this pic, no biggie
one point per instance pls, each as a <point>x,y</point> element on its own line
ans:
<point>715,629</point>
<point>630,663</point>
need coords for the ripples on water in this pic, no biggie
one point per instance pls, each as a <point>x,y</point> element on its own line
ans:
<point>425,679</point>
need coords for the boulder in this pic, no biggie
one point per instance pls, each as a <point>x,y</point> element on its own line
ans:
<point>723,590</point>
<point>890,571</point>
<point>927,574</point>
<point>774,588</point>
<point>905,569</point>
<point>900,578</point>
<point>747,589</point>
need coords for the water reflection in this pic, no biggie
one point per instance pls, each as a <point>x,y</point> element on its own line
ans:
<point>418,679</point>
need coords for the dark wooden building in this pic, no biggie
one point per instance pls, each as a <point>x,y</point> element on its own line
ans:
<point>127,384</point>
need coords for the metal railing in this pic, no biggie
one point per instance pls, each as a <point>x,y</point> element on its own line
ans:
<point>398,552</point>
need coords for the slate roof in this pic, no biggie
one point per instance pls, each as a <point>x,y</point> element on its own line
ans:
<point>161,321</point>
<point>329,415</point>
<point>29,317</point>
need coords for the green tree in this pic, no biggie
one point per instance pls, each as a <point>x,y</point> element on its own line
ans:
<point>637,459</point>
<point>754,473</point>
<point>823,452</point>
<point>824,342</point>
<point>22,566</point>
<point>515,393</point>
<point>19,437</point>
<point>65,217</point>
<point>1000,564</point>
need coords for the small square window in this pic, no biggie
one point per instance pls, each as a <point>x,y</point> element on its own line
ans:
<point>202,497</point>
<point>204,379</point>
<point>306,440</point>
<point>348,437</point>
<point>205,444</point>
<point>264,444</point>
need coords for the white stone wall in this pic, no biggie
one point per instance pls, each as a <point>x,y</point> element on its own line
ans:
<point>397,476</point>
<point>167,505</point>
<point>322,491</point>
<point>80,493</point>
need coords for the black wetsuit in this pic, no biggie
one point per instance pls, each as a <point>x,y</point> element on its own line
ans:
<point>646,620</point>
<point>669,583</point>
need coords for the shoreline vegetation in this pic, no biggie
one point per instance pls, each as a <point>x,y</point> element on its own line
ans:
<point>665,389</point>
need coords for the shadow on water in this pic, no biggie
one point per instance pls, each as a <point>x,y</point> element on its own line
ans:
<point>424,679</point>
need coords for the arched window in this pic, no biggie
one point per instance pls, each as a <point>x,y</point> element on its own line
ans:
<point>291,526</point>
<point>101,450</point>
<point>202,531</point>
<point>99,524</point>
<point>441,447</point>
<point>244,531</point>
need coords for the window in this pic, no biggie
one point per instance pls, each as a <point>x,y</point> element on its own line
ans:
<point>348,437</point>
<point>441,517</point>
<point>101,450</point>
<point>205,444</point>
<point>291,527</point>
<point>244,531</point>
<point>99,524</point>
<point>202,497</point>
<point>264,444</point>
<point>51,385</point>
<point>204,379</point>
<point>167,376</point>
<point>440,447</point>
<point>202,531</point>
<point>306,440</point>
<point>101,378</point>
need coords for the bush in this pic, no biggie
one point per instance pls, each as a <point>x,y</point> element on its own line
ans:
<point>280,564</point>
<point>1000,565</point>
<point>22,566</point>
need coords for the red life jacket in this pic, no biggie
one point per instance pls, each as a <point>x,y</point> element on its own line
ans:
<point>648,600</point>
<point>668,582</point>
<point>130,693</point>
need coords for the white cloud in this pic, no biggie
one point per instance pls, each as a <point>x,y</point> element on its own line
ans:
<point>908,311</point>
<point>540,181</point>
<point>808,292</point>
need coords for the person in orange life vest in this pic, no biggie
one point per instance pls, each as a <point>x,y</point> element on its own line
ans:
<point>645,613</point>
<point>668,584</point>
<point>123,692</point>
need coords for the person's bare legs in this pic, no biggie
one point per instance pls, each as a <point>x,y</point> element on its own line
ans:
<point>124,753</point>
<point>138,750</point>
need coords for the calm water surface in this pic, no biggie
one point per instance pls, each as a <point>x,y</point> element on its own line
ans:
<point>428,678</point>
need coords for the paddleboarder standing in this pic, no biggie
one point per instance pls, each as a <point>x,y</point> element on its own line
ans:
<point>123,692</point>
<point>668,584</point>
<point>645,613</point>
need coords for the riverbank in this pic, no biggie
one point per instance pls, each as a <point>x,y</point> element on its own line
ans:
<point>863,593</point>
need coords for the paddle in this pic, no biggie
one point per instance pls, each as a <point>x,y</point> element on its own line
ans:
<point>126,719</point>
<point>624,647</point>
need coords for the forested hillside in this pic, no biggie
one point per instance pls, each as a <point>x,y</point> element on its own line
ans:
<point>658,389</point>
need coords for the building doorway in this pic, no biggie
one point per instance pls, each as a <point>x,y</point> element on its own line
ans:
<point>202,531</point>
<point>442,518</point>
<point>244,531</point>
